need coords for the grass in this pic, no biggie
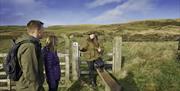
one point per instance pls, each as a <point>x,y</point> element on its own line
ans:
<point>147,66</point>
<point>152,69</point>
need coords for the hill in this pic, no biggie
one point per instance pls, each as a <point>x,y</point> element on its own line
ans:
<point>162,29</point>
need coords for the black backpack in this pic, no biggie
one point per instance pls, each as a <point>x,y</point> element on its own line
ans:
<point>11,63</point>
<point>99,63</point>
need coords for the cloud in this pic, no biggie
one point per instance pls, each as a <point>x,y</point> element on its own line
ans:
<point>122,11</point>
<point>20,11</point>
<point>97,3</point>
<point>23,1</point>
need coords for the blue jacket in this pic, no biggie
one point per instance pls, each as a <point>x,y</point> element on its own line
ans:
<point>52,66</point>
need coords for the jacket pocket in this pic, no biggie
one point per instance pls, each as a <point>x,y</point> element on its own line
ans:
<point>23,83</point>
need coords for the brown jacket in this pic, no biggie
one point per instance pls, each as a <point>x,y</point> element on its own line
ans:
<point>90,49</point>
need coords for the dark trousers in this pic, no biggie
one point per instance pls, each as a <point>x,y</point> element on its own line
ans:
<point>54,88</point>
<point>178,58</point>
<point>92,70</point>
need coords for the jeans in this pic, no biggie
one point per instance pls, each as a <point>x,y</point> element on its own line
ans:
<point>92,70</point>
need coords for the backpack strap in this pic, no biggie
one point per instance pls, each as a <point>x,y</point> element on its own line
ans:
<point>27,41</point>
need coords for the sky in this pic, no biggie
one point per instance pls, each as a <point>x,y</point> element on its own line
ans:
<point>72,12</point>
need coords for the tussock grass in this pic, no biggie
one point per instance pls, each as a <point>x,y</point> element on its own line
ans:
<point>150,66</point>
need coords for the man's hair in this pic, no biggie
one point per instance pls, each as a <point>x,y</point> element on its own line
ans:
<point>34,24</point>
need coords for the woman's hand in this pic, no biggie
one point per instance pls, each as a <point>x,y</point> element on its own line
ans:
<point>99,49</point>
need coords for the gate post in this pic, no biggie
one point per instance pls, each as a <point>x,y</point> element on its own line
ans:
<point>117,62</point>
<point>75,61</point>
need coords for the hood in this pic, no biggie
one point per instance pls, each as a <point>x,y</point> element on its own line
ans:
<point>27,37</point>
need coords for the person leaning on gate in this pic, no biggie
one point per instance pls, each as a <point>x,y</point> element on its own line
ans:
<point>93,52</point>
<point>30,58</point>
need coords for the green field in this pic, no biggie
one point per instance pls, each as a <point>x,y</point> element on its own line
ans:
<point>149,51</point>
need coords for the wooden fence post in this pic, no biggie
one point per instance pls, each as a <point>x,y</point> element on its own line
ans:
<point>67,56</point>
<point>117,62</point>
<point>8,83</point>
<point>75,61</point>
<point>67,69</point>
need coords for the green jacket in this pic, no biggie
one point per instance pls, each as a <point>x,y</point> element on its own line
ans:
<point>90,50</point>
<point>31,62</point>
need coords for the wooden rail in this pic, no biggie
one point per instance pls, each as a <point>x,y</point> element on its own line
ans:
<point>110,83</point>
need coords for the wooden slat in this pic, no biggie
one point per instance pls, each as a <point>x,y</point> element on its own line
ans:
<point>13,87</point>
<point>63,71</point>
<point>62,63</point>
<point>109,54</point>
<point>62,55</point>
<point>87,72</point>
<point>3,80</point>
<point>83,62</point>
<point>3,55</point>
<point>2,73</point>
<point>1,65</point>
<point>6,88</point>
<point>6,80</point>
<point>109,81</point>
<point>84,72</point>
<point>59,55</point>
<point>3,88</point>
<point>106,62</point>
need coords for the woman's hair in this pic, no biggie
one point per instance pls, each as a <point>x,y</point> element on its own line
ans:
<point>94,40</point>
<point>51,42</point>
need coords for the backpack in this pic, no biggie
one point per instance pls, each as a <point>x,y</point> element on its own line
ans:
<point>99,63</point>
<point>11,63</point>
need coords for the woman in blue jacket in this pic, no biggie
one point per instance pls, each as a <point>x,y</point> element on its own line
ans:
<point>51,60</point>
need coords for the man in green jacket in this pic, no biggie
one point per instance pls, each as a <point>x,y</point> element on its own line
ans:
<point>30,59</point>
